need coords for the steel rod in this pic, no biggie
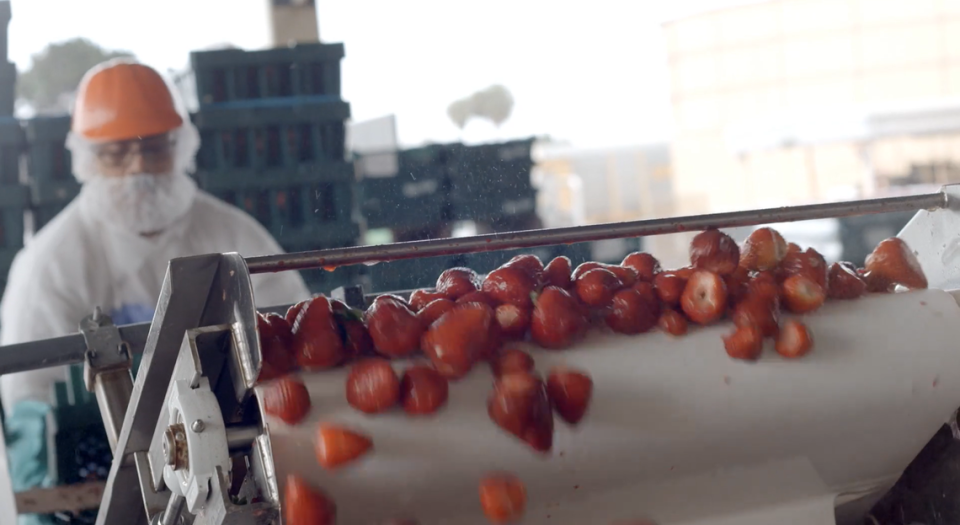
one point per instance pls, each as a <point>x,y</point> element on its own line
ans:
<point>65,350</point>
<point>595,232</point>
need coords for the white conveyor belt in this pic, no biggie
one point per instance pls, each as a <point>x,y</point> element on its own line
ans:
<point>677,430</point>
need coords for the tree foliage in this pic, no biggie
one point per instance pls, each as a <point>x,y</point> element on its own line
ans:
<point>57,70</point>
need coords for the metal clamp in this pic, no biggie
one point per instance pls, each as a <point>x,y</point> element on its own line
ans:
<point>106,371</point>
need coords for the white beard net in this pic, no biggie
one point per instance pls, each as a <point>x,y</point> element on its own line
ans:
<point>140,203</point>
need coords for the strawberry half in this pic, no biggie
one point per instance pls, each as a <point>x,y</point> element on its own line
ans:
<point>337,446</point>
<point>570,391</point>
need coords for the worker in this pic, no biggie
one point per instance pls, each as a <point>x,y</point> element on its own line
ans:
<point>132,147</point>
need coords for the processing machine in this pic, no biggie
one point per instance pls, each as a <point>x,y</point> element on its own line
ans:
<point>677,430</point>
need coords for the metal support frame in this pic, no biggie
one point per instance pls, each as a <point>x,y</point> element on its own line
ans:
<point>106,371</point>
<point>211,290</point>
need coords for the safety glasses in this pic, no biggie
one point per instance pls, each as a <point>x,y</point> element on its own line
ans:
<point>155,151</point>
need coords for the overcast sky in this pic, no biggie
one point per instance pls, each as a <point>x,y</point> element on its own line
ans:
<point>594,77</point>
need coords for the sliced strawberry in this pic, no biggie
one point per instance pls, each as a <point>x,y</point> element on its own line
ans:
<point>809,263</point>
<point>745,343</point>
<point>714,251</point>
<point>373,386</point>
<point>795,340</point>
<point>503,497</point>
<point>672,322</point>
<point>570,391</point>
<point>704,299</point>
<point>286,399</point>
<point>336,446</point>
<point>304,505</point>
<point>802,294</point>
<point>423,390</point>
<point>760,312</point>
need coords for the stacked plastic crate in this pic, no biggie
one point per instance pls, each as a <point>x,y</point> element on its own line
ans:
<point>13,196</point>
<point>273,144</point>
<point>49,172</point>
<point>490,184</point>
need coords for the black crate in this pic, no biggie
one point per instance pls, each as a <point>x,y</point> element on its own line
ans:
<point>234,74</point>
<point>251,140</point>
<point>12,144</point>
<point>295,213</point>
<point>13,206</point>
<point>492,181</point>
<point>49,169</point>
<point>8,88</point>
<point>414,197</point>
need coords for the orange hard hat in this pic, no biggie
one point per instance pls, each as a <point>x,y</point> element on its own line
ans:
<point>123,100</point>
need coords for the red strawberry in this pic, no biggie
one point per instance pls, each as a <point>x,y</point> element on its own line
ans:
<point>304,505</point>
<point>277,357</point>
<point>627,276</point>
<point>460,338</point>
<point>704,298</point>
<point>286,399</point>
<point>597,287</point>
<point>795,340</point>
<point>394,328</point>
<point>584,268</point>
<point>745,343</point>
<point>801,294</point>
<point>433,311</point>
<point>513,320</point>
<point>672,322</point>
<point>843,282</point>
<point>760,312</point>
<point>736,285</point>
<point>557,273</point>
<point>763,250</point>
<point>356,339</point>
<point>632,312</point>
<point>646,266</point>
<point>294,311</point>
<point>894,262</point>
<point>423,390</point>
<point>478,297</point>
<point>457,282</point>
<point>336,446</point>
<point>316,339</point>
<point>503,498</point>
<point>714,251</point>
<point>809,263</point>
<point>421,298</point>
<point>763,284</point>
<point>530,264</point>
<point>570,391</point>
<point>373,386</point>
<point>557,320</point>
<point>669,286</point>
<point>520,405</point>
<point>510,285</point>
<point>511,360</point>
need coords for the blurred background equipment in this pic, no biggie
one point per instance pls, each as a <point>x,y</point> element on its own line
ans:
<point>494,103</point>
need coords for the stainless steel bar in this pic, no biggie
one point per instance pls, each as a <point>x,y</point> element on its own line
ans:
<point>595,232</point>
<point>171,516</point>
<point>240,437</point>
<point>66,350</point>
<point>113,389</point>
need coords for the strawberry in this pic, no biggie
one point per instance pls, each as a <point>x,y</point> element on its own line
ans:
<point>795,340</point>
<point>557,320</point>
<point>286,399</point>
<point>433,311</point>
<point>457,282</point>
<point>714,251</point>
<point>373,386</point>
<point>646,266</point>
<point>877,283</point>
<point>704,299</point>
<point>478,297</point>
<point>390,297</point>
<point>843,282</point>
<point>570,391</point>
<point>801,294</point>
<point>511,360</point>
<point>758,311</point>
<point>394,328</point>
<point>337,446</point>
<point>513,320</point>
<point>503,497</point>
<point>672,322</point>
<point>423,390</point>
<point>763,284</point>
<point>530,264</point>
<point>304,505</point>
<point>809,263</point>
<point>632,312</point>
<point>421,298</point>
<point>316,339</point>
<point>793,247</point>
<point>294,311</point>
<point>510,285</point>
<point>893,261</point>
<point>763,250</point>
<point>460,338</point>
<point>520,405</point>
<point>745,343</point>
<point>557,272</point>
<point>736,285</point>
<point>596,287</point>
<point>584,268</point>
<point>669,286</point>
<point>277,358</point>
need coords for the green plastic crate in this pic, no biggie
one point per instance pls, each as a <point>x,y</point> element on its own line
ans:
<point>234,74</point>
<point>249,140</point>
<point>12,144</point>
<point>414,197</point>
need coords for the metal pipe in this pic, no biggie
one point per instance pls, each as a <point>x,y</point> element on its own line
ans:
<point>240,437</point>
<point>113,389</point>
<point>595,232</point>
<point>65,350</point>
<point>171,516</point>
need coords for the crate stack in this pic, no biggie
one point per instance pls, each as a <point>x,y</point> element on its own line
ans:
<point>13,195</point>
<point>8,70</point>
<point>272,125</point>
<point>49,170</point>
